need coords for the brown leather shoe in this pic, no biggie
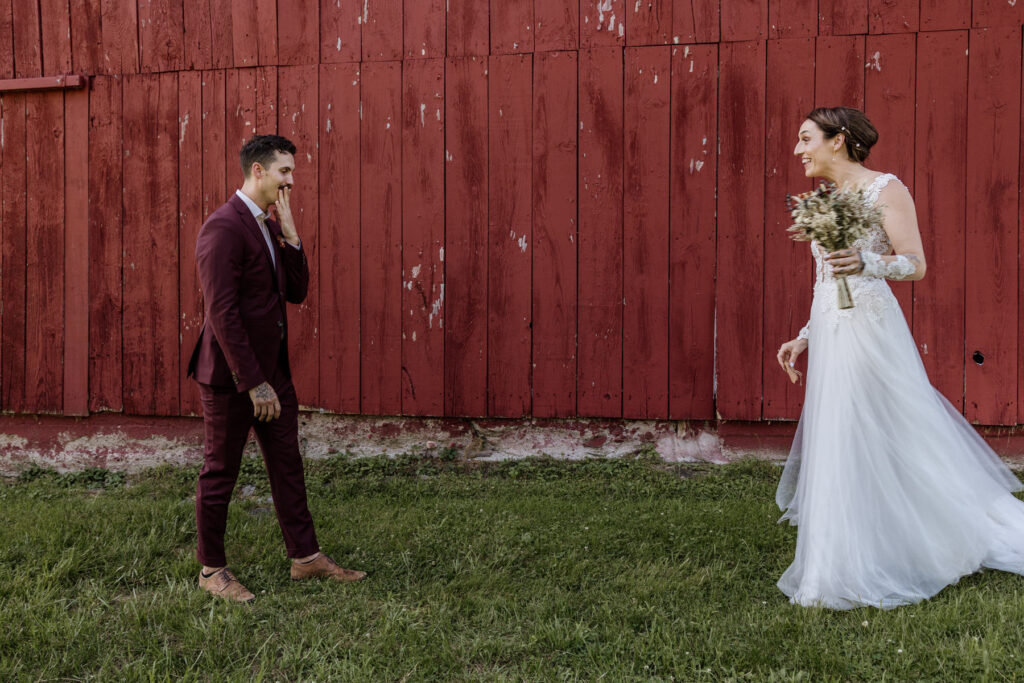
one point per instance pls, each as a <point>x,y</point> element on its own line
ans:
<point>223,584</point>
<point>324,567</point>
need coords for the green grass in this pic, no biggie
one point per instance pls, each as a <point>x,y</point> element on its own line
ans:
<point>611,570</point>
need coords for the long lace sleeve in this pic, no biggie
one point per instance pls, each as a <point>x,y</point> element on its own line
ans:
<point>805,331</point>
<point>901,268</point>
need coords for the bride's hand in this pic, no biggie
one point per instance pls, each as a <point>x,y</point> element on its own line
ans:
<point>845,262</point>
<point>787,355</point>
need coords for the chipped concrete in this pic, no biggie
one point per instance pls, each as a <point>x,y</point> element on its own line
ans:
<point>130,444</point>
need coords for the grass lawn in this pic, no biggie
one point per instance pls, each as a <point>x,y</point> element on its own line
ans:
<point>609,570</point>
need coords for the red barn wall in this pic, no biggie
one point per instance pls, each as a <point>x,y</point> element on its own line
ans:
<point>555,208</point>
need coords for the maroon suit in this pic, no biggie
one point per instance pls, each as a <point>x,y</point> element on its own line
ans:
<point>244,342</point>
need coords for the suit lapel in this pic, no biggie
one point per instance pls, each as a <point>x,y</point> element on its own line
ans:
<point>254,228</point>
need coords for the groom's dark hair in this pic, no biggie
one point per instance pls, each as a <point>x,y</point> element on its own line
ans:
<point>262,149</point>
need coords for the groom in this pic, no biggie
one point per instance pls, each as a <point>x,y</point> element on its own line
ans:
<point>249,265</point>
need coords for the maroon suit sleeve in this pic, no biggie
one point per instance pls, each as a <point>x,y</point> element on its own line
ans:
<point>219,252</point>
<point>296,273</point>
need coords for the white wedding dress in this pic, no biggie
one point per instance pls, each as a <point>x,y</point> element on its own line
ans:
<point>895,494</point>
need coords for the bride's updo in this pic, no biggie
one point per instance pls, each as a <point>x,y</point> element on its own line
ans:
<point>852,123</point>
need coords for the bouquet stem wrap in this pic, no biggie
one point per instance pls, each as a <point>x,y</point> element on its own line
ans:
<point>843,290</point>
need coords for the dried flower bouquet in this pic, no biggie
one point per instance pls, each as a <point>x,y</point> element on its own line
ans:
<point>835,219</point>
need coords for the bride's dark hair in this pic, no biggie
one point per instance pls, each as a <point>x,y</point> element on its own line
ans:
<point>859,133</point>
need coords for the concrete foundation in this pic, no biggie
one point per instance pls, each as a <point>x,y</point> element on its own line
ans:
<point>129,444</point>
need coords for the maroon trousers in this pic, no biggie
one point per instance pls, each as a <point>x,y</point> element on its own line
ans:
<point>227,418</point>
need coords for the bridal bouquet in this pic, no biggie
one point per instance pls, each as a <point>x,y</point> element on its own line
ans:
<point>835,219</point>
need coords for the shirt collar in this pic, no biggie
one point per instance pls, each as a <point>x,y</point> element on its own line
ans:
<point>257,212</point>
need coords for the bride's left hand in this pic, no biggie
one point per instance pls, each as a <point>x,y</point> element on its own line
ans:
<point>845,262</point>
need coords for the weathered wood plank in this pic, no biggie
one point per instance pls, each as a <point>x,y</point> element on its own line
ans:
<point>993,148</point>
<point>298,32</point>
<point>740,279</point>
<point>150,310</point>
<point>692,229</point>
<point>940,194</point>
<point>424,29</point>
<point>894,16</point>
<point>76,253</point>
<point>793,19</point>
<point>86,34</point>
<point>266,15</point>
<point>105,244</point>
<point>15,240</point>
<point>120,24</point>
<point>55,33</point>
<point>190,219</point>
<point>645,335</point>
<point>7,39</point>
<point>340,32</point>
<point>839,71</point>
<point>744,19</point>
<point>787,281</point>
<point>382,30</point>
<point>557,25</point>
<point>222,28</point>
<point>842,17</point>
<point>298,107</point>
<point>380,282</point>
<point>468,28</point>
<point>993,13</point>
<point>466,221</point>
<point>555,127</point>
<point>510,236</point>
<point>650,23</point>
<point>161,35</point>
<point>266,100</point>
<point>44,266</point>
<point>942,15</point>
<point>599,380</point>
<point>3,218</point>
<point>696,21</point>
<point>511,26</point>
<point>423,237</point>
<point>603,23</point>
<point>215,186</point>
<point>198,34</point>
<point>239,120</point>
<point>28,47</point>
<point>340,266</point>
<point>245,33</point>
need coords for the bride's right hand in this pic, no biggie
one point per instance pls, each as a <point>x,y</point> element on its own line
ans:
<point>787,355</point>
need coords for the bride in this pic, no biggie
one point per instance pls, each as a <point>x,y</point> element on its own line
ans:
<point>895,495</point>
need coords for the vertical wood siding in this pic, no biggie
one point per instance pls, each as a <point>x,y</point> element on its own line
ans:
<point>549,209</point>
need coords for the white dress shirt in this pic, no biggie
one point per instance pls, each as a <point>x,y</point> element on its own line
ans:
<point>261,218</point>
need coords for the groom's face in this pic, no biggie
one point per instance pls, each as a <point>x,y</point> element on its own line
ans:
<point>277,175</point>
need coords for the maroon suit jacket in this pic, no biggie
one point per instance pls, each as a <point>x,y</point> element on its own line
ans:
<point>245,332</point>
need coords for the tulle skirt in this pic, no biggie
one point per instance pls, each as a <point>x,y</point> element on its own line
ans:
<point>895,494</point>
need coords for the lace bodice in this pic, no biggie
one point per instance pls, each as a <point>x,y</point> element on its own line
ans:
<point>871,295</point>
